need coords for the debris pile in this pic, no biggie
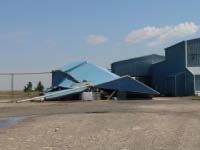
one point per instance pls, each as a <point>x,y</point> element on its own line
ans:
<point>86,81</point>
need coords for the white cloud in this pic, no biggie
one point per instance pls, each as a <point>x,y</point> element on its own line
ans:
<point>95,39</point>
<point>161,34</point>
<point>180,30</point>
<point>144,33</point>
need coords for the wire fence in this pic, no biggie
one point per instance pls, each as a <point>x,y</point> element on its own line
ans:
<point>12,84</point>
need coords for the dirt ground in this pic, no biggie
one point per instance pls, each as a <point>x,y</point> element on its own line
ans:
<point>103,125</point>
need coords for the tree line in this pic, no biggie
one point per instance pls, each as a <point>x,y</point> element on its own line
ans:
<point>29,87</point>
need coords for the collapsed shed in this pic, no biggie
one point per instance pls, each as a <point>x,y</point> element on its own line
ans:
<point>73,80</point>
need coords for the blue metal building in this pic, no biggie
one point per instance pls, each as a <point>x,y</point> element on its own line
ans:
<point>178,74</point>
<point>75,78</point>
<point>137,67</point>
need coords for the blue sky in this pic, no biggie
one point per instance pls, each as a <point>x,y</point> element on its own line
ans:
<point>38,35</point>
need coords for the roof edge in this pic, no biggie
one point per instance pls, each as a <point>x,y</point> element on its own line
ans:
<point>138,58</point>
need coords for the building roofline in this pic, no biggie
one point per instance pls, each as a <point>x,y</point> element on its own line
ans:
<point>167,48</point>
<point>137,58</point>
<point>193,39</point>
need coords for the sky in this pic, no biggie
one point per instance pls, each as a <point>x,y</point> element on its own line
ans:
<point>41,35</point>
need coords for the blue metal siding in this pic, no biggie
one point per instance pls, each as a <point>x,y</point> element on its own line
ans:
<point>197,82</point>
<point>175,58</point>
<point>159,74</point>
<point>57,78</point>
<point>60,79</point>
<point>137,66</point>
<point>193,53</point>
<point>189,83</point>
<point>168,76</point>
<point>169,86</point>
<point>180,84</point>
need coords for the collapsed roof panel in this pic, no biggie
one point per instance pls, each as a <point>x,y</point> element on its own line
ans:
<point>61,79</point>
<point>92,73</point>
<point>71,66</point>
<point>128,84</point>
<point>84,72</point>
<point>66,83</point>
<point>78,77</point>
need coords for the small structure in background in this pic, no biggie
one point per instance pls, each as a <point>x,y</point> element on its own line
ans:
<point>83,80</point>
<point>176,74</point>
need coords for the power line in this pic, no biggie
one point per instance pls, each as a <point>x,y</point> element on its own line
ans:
<point>25,73</point>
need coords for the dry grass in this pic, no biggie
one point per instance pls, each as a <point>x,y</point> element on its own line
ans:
<point>4,95</point>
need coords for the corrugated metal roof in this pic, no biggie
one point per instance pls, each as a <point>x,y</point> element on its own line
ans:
<point>194,70</point>
<point>70,66</point>
<point>84,71</point>
<point>126,83</point>
<point>66,83</point>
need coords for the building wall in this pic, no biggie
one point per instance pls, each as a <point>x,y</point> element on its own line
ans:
<point>175,58</point>
<point>136,67</point>
<point>197,82</point>
<point>193,61</point>
<point>171,76</point>
<point>180,84</point>
<point>193,53</point>
<point>158,72</point>
<point>189,83</point>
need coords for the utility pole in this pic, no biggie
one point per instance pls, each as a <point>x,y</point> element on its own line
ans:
<point>12,84</point>
<point>12,75</point>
